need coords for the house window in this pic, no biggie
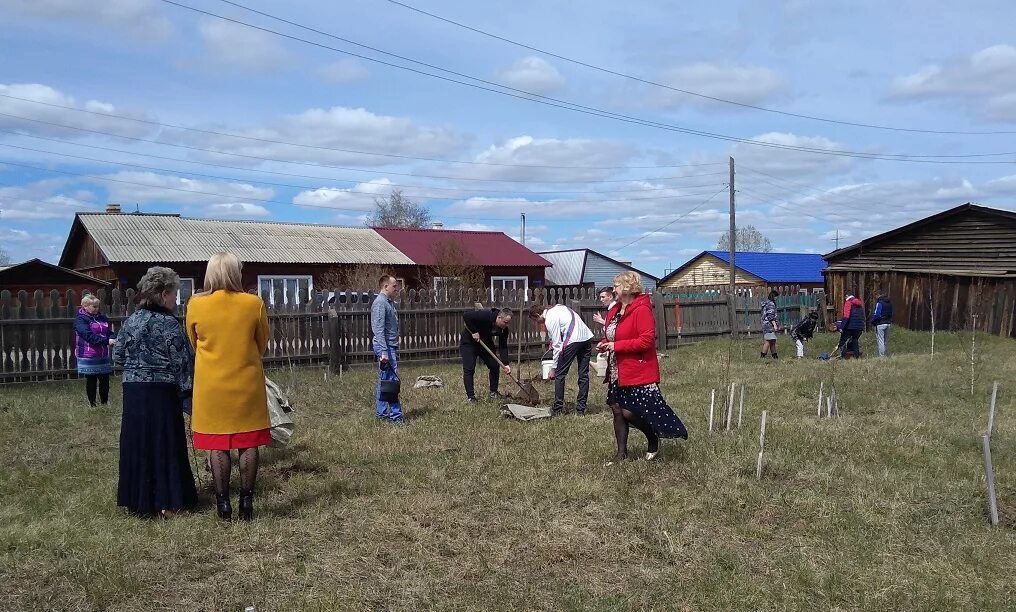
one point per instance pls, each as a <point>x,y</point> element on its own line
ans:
<point>185,291</point>
<point>508,283</point>
<point>294,289</point>
<point>447,283</point>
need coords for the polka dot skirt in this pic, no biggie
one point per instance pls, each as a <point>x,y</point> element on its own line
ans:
<point>647,403</point>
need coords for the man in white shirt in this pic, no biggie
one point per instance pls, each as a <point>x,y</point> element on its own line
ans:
<point>572,341</point>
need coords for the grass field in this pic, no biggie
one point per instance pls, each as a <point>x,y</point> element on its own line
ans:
<point>881,509</point>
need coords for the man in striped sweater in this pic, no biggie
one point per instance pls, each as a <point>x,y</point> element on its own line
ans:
<point>572,341</point>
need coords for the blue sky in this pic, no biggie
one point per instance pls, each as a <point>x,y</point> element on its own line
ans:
<point>326,131</point>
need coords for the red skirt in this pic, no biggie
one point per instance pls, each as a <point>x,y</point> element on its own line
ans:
<point>222,442</point>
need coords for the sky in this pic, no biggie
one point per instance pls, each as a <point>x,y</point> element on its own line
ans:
<point>609,125</point>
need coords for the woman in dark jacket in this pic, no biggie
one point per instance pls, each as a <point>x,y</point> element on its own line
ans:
<point>158,375</point>
<point>634,371</point>
<point>91,348</point>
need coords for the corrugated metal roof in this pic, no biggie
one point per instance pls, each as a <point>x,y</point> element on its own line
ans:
<point>489,249</point>
<point>567,270</point>
<point>171,238</point>
<point>778,267</point>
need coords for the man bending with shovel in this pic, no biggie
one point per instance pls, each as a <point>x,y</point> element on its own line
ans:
<point>482,327</point>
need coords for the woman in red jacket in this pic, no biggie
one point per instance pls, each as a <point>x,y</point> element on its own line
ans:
<point>634,372</point>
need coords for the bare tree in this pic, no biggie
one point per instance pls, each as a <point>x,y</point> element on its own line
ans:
<point>749,238</point>
<point>396,210</point>
<point>456,266</point>
<point>360,276</point>
<point>5,259</point>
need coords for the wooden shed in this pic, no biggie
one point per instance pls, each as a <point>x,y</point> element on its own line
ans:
<point>35,274</point>
<point>950,266</point>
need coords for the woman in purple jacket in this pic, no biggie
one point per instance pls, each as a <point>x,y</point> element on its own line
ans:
<point>91,348</point>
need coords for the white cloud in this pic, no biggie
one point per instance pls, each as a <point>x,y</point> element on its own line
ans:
<point>984,83</point>
<point>243,210</point>
<point>149,187</point>
<point>40,201</point>
<point>344,70</point>
<point>790,162</point>
<point>52,114</point>
<point>235,46</point>
<point>550,159</point>
<point>353,129</point>
<point>22,245</point>
<point>532,74</point>
<point>142,19</point>
<point>743,83</point>
<point>359,197</point>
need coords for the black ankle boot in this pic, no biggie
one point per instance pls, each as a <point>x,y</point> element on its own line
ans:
<point>246,505</point>
<point>223,507</point>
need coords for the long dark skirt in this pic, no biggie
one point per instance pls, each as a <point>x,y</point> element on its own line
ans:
<point>646,402</point>
<point>155,473</point>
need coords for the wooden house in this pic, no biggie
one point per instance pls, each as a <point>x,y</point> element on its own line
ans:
<point>284,260</point>
<point>956,264</point>
<point>37,275</point>
<point>751,269</point>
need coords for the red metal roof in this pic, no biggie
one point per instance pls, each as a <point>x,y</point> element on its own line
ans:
<point>485,248</point>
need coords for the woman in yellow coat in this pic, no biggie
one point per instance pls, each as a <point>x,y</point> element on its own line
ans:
<point>229,331</point>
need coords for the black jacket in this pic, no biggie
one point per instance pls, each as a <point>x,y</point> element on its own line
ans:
<point>482,322</point>
<point>805,329</point>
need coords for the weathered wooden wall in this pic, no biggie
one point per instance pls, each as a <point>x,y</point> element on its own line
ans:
<point>953,298</point>
<point>37,341</point>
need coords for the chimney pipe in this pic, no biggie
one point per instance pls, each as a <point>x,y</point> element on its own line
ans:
<point>112,209</point>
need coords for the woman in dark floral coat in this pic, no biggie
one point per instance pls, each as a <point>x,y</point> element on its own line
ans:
<point>158,375</point>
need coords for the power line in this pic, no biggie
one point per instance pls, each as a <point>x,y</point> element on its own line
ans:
<point>227,178</point>
<point>573,106</point>
<point>666,225</point>
<point>337,180</point>
<point>680,90</point>
<point>235,198</point>
<point>338,150</point>
<point>819,195</point>
<point>345,168</point>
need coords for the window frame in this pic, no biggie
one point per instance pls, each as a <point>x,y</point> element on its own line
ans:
<point>270,299</point>
<point>179,295</point>
<point>494,279</point>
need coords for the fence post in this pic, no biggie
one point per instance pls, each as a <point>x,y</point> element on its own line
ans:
<point>661,321</point>
<point>336,346</point>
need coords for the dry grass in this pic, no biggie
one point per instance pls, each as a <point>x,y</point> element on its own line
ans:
<point>881,509</point>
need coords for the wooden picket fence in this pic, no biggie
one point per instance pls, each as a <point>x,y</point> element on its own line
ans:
<point>37,330</point>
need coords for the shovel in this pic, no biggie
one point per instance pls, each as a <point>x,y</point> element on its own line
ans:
<point>528,394</point>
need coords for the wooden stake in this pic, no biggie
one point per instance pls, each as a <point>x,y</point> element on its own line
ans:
<point>761,446</point>
<point>821,386</point>
<point>740,410</point>
<point>730,406</point>
<point>712,403</point>
<point>829,406</point>
<point>991,411</point>
<point>973,339</point>
<point>989,477</point>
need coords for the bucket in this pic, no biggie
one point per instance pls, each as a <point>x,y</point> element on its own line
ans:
<point>548,365</point>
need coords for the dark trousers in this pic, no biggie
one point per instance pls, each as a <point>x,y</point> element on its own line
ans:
<point>469,352</point>
<point>100,380</point>
<point>850,342</point>
<point>580,352</point>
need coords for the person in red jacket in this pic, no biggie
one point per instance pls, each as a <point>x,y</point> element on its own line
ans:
<point>633,374</point>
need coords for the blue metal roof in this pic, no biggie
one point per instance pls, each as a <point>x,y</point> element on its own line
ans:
<point>779,267</point>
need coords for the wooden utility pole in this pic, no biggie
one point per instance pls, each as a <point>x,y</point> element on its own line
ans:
<point>523,234</point>
<point>731,301</point>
